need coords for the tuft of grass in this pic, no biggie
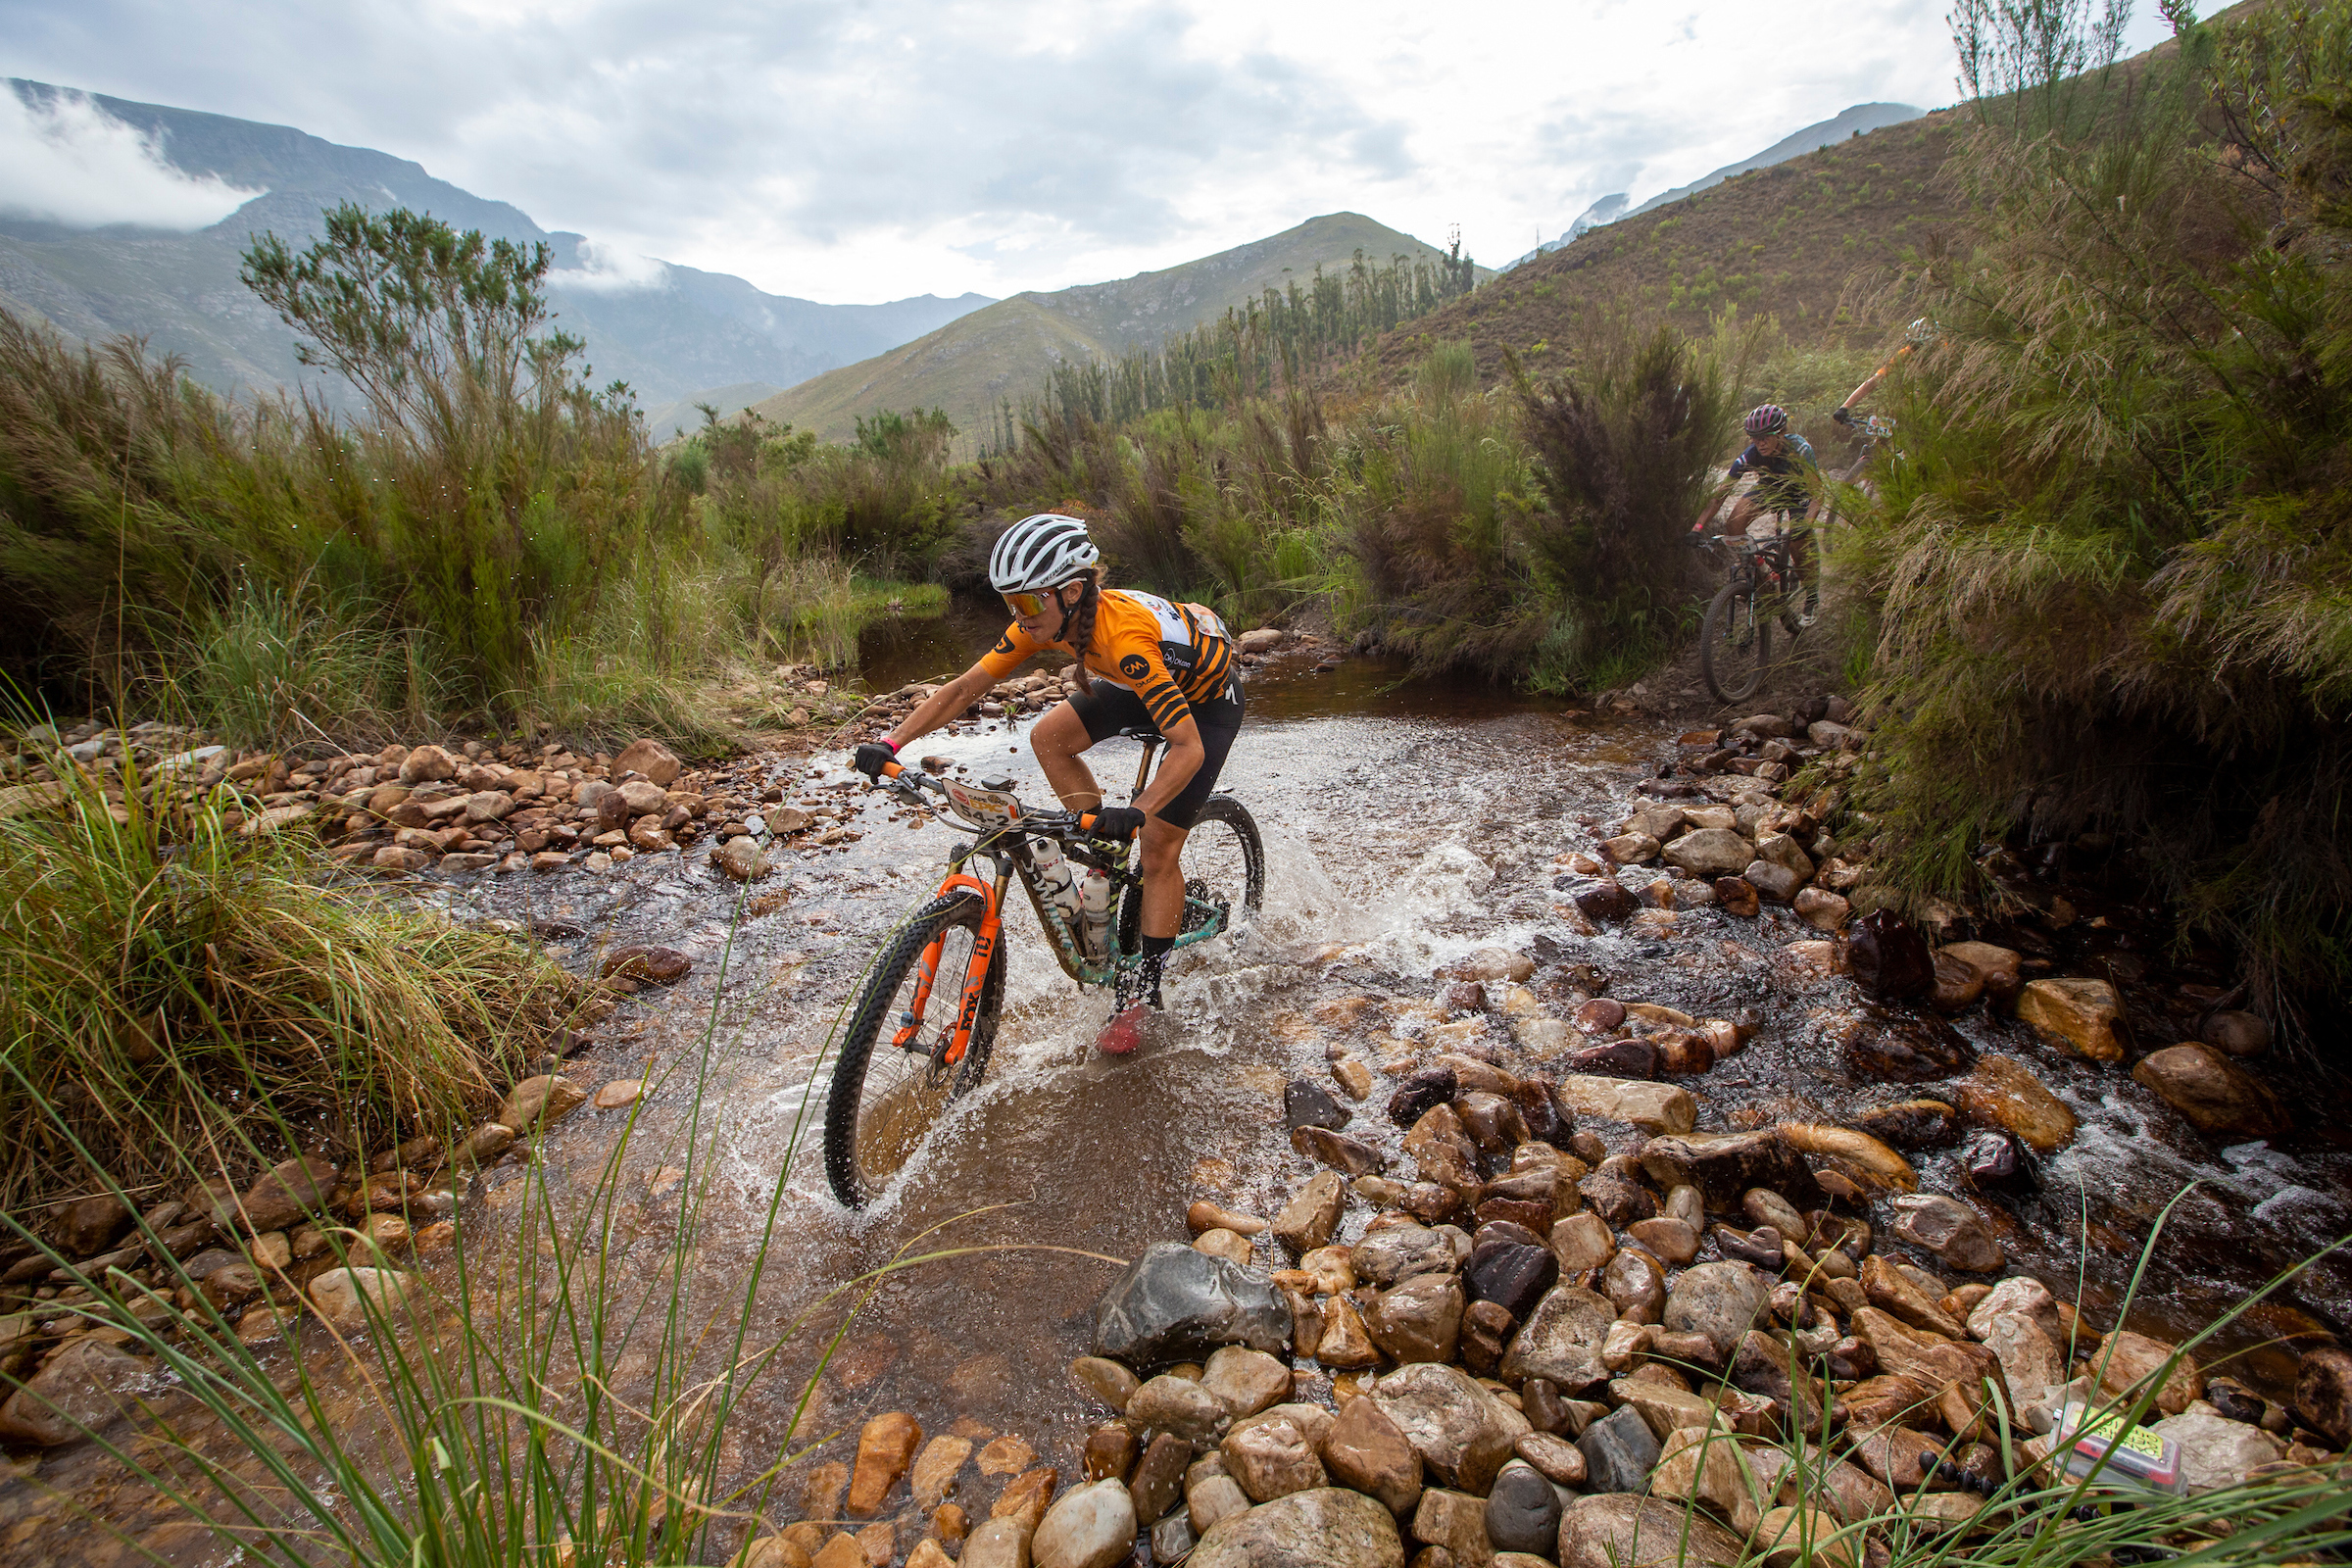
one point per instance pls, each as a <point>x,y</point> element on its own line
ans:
<point>169,972</point>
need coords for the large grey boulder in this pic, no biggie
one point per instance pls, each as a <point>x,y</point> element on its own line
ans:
<point>1177,1304</point>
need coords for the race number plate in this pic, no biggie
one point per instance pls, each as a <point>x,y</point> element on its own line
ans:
<point>984,808</point>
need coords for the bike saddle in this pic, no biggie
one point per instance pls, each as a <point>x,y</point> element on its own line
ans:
<point>1144,733</point>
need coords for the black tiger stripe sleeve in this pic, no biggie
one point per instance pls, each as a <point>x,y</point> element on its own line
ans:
<point>1166,707</point>
<point>1210,678</point>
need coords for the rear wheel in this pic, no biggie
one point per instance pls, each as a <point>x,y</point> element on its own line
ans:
<point>887,1097</point>
<point>1735,643</point>
<point>1223,861</point>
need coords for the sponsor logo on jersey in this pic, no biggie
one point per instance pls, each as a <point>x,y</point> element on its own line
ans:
<point>1003,645</point>
<point>1133,668</point>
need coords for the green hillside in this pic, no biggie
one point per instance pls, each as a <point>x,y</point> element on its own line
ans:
<point>1002,350</point>
<point>1789,241</point>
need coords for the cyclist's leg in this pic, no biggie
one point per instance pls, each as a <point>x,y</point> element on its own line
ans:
<point>1075,726</point>
<point>1163,837</point>
<point>1800,555</point>
<point>1162,868</point>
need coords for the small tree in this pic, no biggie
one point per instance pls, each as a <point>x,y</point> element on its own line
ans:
<point>2019,54</point>
<point>417,315</point>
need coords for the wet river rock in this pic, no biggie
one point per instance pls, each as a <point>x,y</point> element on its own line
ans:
<point>2213,1092</point>
<point>1720,1300</point>
<point>1619,1452</point>
<point>1954,1232</point>
<point>1888,958</point>
<point>2324,1394</point>
<point>1890,1048</point>
<point>1911,1124</point>
<point>1088,1527</point>
<point>1370,1452</point>
<point>1562,1340</point>
<point>1613,1529</point>
<point>1174,1304</point>
<point>1327,1527</point>
<point>1722,1167</point>
<point>1512,1275</point>
<point>1308,1104</point>
<point>1462,1432</point>
<point>1421,1092</point>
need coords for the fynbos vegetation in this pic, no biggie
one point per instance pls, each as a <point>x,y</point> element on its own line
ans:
<point>2112,563</point>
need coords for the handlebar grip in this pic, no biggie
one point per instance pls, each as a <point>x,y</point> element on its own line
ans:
<point>1086,822</point>
<point>892,769</point>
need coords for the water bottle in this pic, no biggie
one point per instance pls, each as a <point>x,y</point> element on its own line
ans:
<point>1094,894</point>
<point>1054,880</point>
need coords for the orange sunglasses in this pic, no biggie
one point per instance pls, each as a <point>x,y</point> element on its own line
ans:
<point>1028,606</point>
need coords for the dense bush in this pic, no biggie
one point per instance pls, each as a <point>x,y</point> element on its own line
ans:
<point>2117,562</point>
<point>1528,536</point>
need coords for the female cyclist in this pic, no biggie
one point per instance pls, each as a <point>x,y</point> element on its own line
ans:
<point>1142,663</point>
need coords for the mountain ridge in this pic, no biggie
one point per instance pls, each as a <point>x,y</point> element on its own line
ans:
<point>1846,123</point>
<point>684,333</point>
<point>1005,349</point>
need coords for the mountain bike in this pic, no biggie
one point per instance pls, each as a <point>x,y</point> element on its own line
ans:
<point>1736,639</point>
<point>919,1037</point>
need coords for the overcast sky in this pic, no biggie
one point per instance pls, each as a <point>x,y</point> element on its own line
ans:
<point>859,152</point>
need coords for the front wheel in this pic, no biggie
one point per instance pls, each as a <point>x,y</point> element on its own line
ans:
<point>887,1091</point>
<point>1735,643</point>
<point>1224,861</point>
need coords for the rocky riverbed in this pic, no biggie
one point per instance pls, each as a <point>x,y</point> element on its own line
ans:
<point>1567,1039</point>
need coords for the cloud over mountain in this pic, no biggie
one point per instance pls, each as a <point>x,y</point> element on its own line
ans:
<point>64,160</point>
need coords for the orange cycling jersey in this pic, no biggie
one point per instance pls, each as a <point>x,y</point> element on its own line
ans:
<point>1169,654</point>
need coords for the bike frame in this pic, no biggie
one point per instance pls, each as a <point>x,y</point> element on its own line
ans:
<point>1007,847</point>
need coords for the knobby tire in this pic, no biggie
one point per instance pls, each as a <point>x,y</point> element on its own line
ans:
<point>1715,644</point>
<point>874,1016</point>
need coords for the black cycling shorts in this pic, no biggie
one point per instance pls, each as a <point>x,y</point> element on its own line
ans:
<point>1111,709</point>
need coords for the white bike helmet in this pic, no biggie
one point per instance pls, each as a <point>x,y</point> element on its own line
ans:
<point>1044,551</point>
<point>1921,333</point>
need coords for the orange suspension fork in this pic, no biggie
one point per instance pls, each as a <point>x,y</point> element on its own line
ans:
<point>984,951</point>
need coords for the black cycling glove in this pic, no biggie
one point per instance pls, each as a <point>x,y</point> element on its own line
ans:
<point>1842,415</point>
<point>1117,823</point>
<point>871,757</point>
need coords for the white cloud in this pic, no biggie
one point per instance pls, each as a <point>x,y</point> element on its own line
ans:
<point>849,150</point>
<point>66,161</point>
<point>611,270</point>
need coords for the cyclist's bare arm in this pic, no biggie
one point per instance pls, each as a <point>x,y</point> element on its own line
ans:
<point>1869,385</point>
<point>940,705</point>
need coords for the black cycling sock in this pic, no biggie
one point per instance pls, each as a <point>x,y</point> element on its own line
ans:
<point>1156,952</point>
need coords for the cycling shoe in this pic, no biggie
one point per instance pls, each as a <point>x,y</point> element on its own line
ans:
<point>1124,1033</point>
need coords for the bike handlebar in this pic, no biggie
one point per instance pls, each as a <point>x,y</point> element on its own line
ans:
<point>898,773</point>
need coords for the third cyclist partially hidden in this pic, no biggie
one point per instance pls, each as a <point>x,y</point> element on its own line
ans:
<point>1787,493</point>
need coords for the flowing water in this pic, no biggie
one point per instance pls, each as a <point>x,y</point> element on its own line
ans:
<point>1406,823</point>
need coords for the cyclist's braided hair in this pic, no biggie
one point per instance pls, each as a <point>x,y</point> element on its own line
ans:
<point>1080,627</point>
